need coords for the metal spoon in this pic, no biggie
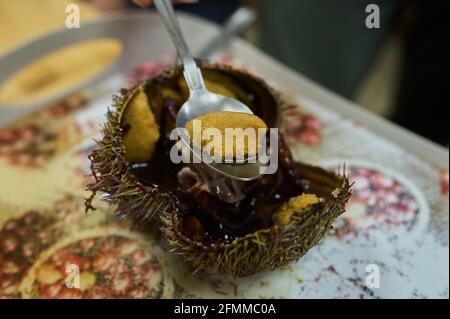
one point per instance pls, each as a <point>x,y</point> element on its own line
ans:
<point>237,23</point>
<point>202,101</point>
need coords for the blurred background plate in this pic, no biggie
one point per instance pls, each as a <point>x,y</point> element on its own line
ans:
<point>140,37</point>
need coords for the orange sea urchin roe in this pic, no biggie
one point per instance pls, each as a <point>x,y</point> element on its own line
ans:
<point>237,142</point>
<point>284,214</point>
<point>141,129</point>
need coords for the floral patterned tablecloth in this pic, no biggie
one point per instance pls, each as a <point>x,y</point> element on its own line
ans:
<point>397,220</point>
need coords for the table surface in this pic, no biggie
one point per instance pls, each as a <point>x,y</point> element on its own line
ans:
<point>397,219</point>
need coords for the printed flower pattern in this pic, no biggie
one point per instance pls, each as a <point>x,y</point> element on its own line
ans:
<point>28,145</point>
<point>63,108</point>
<point>302,128</point>
<point>31,144</point>
<point>151,69</point>
<point>21,242</point>
<point>109,267</point>
<point>379,204</point>
<point>444,183</point>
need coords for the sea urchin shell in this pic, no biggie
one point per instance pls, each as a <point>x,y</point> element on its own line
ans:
<point>257,234</point>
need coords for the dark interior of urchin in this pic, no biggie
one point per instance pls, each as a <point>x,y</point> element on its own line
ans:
<point>205,217</point>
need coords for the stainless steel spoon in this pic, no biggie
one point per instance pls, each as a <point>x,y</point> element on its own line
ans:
<point>202,101</point>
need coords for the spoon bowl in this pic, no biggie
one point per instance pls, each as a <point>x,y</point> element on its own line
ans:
<point>201,102</point>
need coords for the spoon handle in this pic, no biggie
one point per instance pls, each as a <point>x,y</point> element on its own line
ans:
<point>192,73</point>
